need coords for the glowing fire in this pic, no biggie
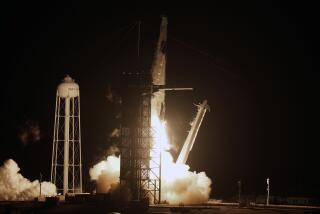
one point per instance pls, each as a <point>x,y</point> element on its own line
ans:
<point>160,135</point>
<point>178,184</point>
<point>169,169</point>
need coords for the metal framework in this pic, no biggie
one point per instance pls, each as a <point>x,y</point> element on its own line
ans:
<point>140,160</point>
<point>140,170</point>
<point>66,168</point>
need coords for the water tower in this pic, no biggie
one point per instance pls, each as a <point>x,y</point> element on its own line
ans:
<point>66,168</point>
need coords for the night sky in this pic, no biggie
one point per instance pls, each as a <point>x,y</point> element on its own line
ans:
<point>255,64</point>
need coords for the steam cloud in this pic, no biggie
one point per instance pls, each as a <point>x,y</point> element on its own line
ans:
<point>179,185</point>
<point>106,174</point>
<point>29,132</point>
<point>15,187</point>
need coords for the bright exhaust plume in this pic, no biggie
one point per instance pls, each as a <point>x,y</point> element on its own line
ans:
<point>179,185</point>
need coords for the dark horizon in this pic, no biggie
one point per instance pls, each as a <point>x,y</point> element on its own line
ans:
<point>254,64</point>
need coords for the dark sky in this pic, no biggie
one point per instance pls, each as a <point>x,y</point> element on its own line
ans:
<point>255,64</point>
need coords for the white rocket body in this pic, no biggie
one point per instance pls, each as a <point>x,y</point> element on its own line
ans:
<point>158,71</point>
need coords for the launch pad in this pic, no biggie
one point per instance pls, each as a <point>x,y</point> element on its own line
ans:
<point>103,204</point>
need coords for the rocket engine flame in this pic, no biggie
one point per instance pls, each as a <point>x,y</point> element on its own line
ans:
<point>179,184</point>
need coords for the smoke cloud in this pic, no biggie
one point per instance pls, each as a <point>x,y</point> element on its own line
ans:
<point>112,96</point>
<point>113,151</point>
<point>106,174</point>
<point>15,187</point>
<point>179,185</point>
<point>109,94</point>
<point>115,133</point>
<point>29,132</point>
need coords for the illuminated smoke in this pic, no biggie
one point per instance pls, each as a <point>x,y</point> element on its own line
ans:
<point>15,187</point>
<point>178,184</point>
<point>106,174</point>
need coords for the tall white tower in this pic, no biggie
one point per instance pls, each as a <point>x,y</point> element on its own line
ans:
<point>66,168</point>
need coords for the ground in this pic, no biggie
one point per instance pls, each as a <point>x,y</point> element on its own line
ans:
<point>102,207</point>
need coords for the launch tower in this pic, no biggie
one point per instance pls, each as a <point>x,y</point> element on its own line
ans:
<point>143,102</point>
<point>140,171</point>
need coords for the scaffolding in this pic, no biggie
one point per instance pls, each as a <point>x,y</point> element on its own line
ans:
<point>140,160</point>
<point>140,171</point>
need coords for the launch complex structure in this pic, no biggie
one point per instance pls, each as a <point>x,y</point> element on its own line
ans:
<point>143,95</point>
<point>142,99</point>
<point>136,145</point>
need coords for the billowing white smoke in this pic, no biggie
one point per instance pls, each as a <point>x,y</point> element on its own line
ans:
<point>106,174</point>
<point>15,187</point>
<point>179,185</point>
